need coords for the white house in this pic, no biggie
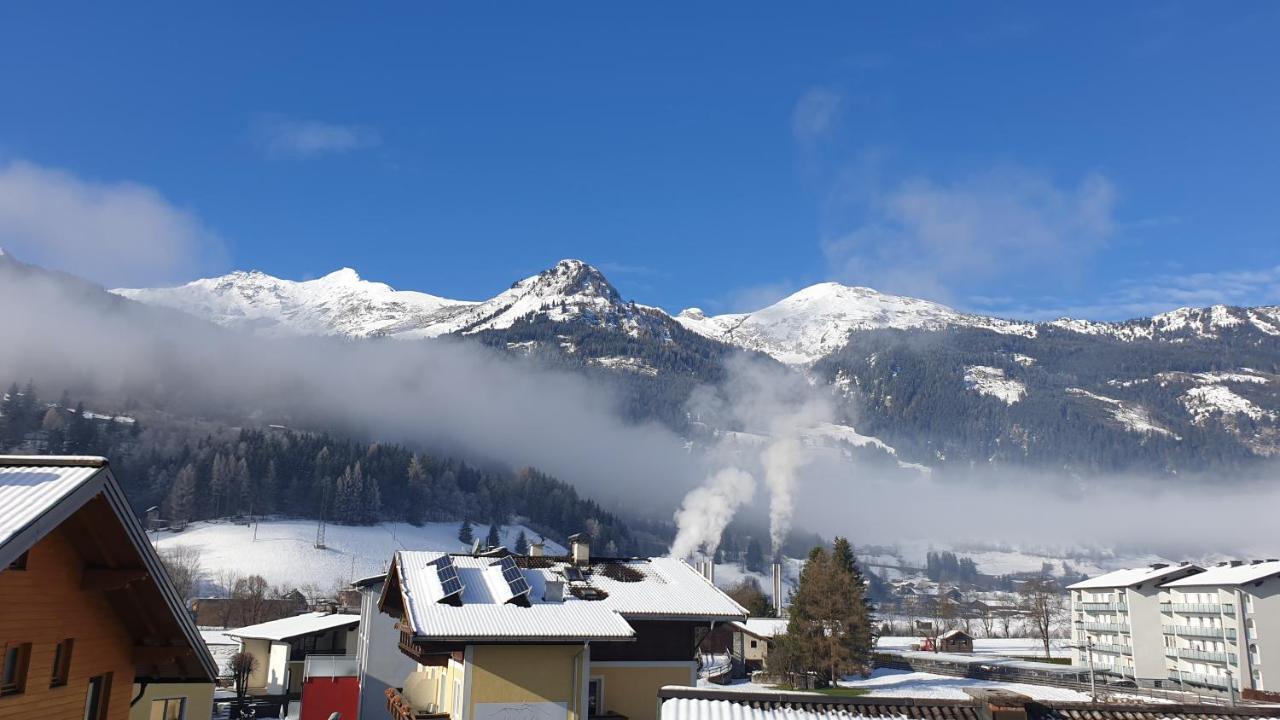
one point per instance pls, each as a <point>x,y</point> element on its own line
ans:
<point>1115,621</point>
<point>1223,626</point>
<point>282,646</point>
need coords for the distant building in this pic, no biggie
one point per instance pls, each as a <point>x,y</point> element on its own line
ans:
<point>565,638</point>
<point>90,624</point>
<point>955,641</point>
<point>1115,621</point>
<point>752,640</point>
<point>1223,625</point>
<point>237,612</point>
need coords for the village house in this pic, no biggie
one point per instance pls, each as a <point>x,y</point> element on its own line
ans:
<point>496,636</point>
<point>955,641</point>
<point>752,640</point>
<point>282,648</point>
<point>91,627</point>
<point>379,663</point>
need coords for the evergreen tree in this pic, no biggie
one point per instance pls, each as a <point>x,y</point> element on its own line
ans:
<point>494,538</point>
<point>755,556</point>
<point>466,535</point>
<point>522,544</point>
<point>416,487</point>
<point>182,495</point>
<point>830,619</point>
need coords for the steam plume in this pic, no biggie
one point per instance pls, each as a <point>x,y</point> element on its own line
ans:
<point>707,510</point>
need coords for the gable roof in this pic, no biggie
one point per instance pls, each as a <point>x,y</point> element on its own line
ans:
<point>1133,576</point>
<point>296,626</point>
<point>1230,574</point>
<point>953,633</point>
<point>485,609</point>
<point>762,627</point>
<point>40,494</point>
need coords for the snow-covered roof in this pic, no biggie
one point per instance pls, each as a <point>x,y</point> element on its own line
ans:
<point>1230,575</point>
<point>1132,576</point>
<point>683,703</point>
<point>954,632</point>
<point>762,627</point>
<point>32,486</point>
<point>295,626</point>
<point>659,588</point>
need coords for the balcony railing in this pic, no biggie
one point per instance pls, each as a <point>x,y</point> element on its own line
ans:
<point>399,708</point>
<point>1104,606</point>
<point>1219,657</point>
<point>1199,608</point>
<point>1117,649</point>
<point>330,666</point>
<point>1216,681</point>
<point>1105,627</point>
<point>1194,631</point>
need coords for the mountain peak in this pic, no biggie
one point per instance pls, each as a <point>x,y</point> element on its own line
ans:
<point>344,275</point>
<point>571,278</point>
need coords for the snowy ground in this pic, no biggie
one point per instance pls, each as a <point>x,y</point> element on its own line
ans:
<point>1008,647</point>
<point>284,551</point>
<point>222,648</point>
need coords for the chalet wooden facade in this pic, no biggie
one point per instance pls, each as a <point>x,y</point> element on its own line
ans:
<point>92,628</point>
<point>555,638</point>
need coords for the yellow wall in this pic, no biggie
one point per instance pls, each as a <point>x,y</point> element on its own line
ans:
<point>632,689</point>
<point>261,651</point>
<point>199,699</point>
<point>524,673</point>
<point>430,687</point>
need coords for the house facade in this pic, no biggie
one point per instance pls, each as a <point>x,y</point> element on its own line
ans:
<point>552,638</point>
<point>283,647</point>
<point>1222,627</point>
<point>91,628</point>
<point>380,664</point>
<point>752,640</point>
<point>1116,625</point>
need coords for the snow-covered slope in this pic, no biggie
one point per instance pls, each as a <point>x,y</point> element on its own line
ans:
<point>340,303</point>
<point>1206,322</point>
<point>817,320</point>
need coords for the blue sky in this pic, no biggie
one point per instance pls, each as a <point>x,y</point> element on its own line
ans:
<point>1101,159</point>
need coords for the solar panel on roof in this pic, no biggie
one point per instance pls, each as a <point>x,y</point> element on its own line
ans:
<point>450,584</point>
<point>515,579</point>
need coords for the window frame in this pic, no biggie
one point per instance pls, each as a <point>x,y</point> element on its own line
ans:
<point>101,699</point>
<point>21,653</point>
<point>598,681</point>
<point>62,663</point>
<point>164,707</point>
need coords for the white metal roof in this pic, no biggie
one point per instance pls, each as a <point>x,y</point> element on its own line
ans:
<point>295,626</point>
<point>764,627</point>
<point>1130,577</point>
<point>31,486</point>
<point>667,589</point>
<point>1228,575</point>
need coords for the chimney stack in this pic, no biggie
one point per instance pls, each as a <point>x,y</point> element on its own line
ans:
<point>537,549</point>
<point>580,549</point>
<point>711,570</point>
<point>777,589</point>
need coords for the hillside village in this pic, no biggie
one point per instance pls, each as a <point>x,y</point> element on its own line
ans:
<point>124,623</point>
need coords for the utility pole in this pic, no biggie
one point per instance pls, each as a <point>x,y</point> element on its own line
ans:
<point>1093,687</point>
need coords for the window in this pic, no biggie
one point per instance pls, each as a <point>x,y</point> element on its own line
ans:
<point>753,644</point>
<point>595,697</point>
<point>169,709</point>
<point>61,663</point>
<point>19,563</point>
<point>13,678</point>
<point>96,697</point>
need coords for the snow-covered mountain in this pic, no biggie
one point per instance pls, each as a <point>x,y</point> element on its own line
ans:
<point>342,303</point>
<point>818,319</point>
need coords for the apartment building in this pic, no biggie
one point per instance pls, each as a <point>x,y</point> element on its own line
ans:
<point>1222,626</point>
<point>1116,622</point>
<point>497,635</point>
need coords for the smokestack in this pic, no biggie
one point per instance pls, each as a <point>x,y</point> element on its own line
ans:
<point>711,570</point>
<point>777,589</point>
<point>537,549</point>
<point>580,549</point>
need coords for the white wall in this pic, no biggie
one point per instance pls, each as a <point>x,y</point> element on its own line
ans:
<point>277,668</point>
<point>377,648</point>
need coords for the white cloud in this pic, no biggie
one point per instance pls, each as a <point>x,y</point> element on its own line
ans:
<point>939,240</point>
<point>115,233</point>
<point>1152,295</point>
<point>815,114</point>
<point>292,137</point>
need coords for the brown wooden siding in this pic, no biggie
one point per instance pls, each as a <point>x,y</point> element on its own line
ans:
<point>44,605</point>
<point>655,640</point>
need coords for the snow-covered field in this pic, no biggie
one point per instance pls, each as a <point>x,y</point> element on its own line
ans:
<point>1009,647</point>
<point>284,551</point>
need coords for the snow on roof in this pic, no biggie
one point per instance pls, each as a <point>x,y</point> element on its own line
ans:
<point>1230,575</point>
<point>953,633</point>
<point>663,589</point>
<point>1132,576</point>
<point>31,486</point>
<point>292,627</point>
<point>763,627</point>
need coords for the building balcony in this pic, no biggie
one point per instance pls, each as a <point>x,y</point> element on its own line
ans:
<point>1206,632</point>
<point>1115,649</point>
<point>1211,656</point>
<point>399,708</point>
<point>1228,609</point>
<point>330,666</point>
<point>1104,606</point>
<point>1105,627</point>
<point>1213,681</point>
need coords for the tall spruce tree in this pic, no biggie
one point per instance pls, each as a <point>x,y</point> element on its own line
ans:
<point>522,544</point>
<point>494,538</point>
<point>830,625</point>
<point>466,535</point>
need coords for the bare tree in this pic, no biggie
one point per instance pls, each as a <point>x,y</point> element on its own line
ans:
<point>242,666</point>
<point>182,563</point>
<point>1006,622</point>
<point>1045,606</point>
<point>250,594</point>
<point>988,623</point>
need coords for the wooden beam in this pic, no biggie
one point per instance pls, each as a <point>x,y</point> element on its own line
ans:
<point>111,578</point>
<point>159,654</point>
